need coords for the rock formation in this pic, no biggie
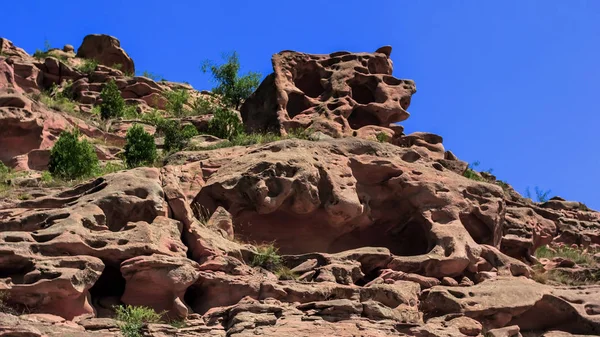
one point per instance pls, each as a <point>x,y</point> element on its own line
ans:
<point>369,238</point>
<point>340,94</point>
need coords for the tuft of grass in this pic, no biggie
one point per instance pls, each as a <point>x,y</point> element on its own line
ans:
<point>58,102</point>
<point>88,66</point>
<point>201,213</point>
<point>150,75</point>
<point>24,196</point>
<point>566,252</point>
<point>247,139</point>
<point>267,256</point>
<point>285,273</point>
<point>178,324</point>
<point>134,318</point>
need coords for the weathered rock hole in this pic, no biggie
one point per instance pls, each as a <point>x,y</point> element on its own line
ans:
<point>361,116</point>
<point>478,230</point>
<point>108,289</point>
<point>391,80</point>
<point>310,82</point>
<point>361,93</point>
<point>296,104</point>
<point>409,238</point>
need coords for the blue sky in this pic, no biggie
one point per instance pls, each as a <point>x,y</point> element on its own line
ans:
<point>512,83</point>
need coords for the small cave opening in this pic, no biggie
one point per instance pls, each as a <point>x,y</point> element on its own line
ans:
<point>478,230</point>
<point>362,116</point>
<point>107,291</point>
<point>361,93</point>
<point>296,104</point>
<point>309,81</point>
<point>407,238</point>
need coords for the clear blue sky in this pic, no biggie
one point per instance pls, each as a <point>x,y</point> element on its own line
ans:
<point>513,84</point>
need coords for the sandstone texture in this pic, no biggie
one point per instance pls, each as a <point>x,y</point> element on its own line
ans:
<point>374,232</point>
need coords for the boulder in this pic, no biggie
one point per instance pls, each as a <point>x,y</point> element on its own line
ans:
<point>107,51</point>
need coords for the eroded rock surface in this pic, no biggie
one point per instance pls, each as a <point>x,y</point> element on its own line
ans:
<point>337,94</point>
<point>377,238</point>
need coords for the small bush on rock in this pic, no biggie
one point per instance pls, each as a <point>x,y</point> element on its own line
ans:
<point>133,319</point>
<point>382,137</point>
<point>112,103</point>
<point>140,148</point>
<point>234,88</point>
<point>225,124</point>
<point>267,256</point>
<point>71,158</point>
<point>176,137</point>
<point>176,101</point>
<point>88,66</point>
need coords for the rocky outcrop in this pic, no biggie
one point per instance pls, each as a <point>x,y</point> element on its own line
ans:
<point>369,238</point>
<point>338,94</point>
<point>107,51</point>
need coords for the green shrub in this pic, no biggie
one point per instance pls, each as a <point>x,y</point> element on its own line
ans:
<point>176,137</point>
<point>234,88</point>
<point>131,112</point>
<point>541,195</point>
<point>4,172</point>
<point>140,148</point>
<point>88,66</point>
<point>471,173</point>
<point>40,54</point>
<point>382,137</point>
<point>150,75</point>
<point>112,103</point>
<point>203,106</point>
<point>267,256</point>
<point>176,101</point>
<point>225,124</point>
<point>133,319</point>
<point>153,117</point>
<point>117,66</point>
<point>72,158</point>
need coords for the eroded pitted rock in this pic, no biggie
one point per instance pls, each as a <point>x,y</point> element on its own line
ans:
<point>335,94</point>
<point>58,286</point>
<point>344,194</point>
<point>115,218</point>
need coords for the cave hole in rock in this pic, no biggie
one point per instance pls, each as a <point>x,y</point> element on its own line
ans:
<point>296,104</point>
<point>309,81</point>
<point>362,116</point>
<point>391,80</point>
<point>362,93</point>
<point>404,238</point>
<point>295,234</point>
<point>478,230</point>
<point>107,291</point>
